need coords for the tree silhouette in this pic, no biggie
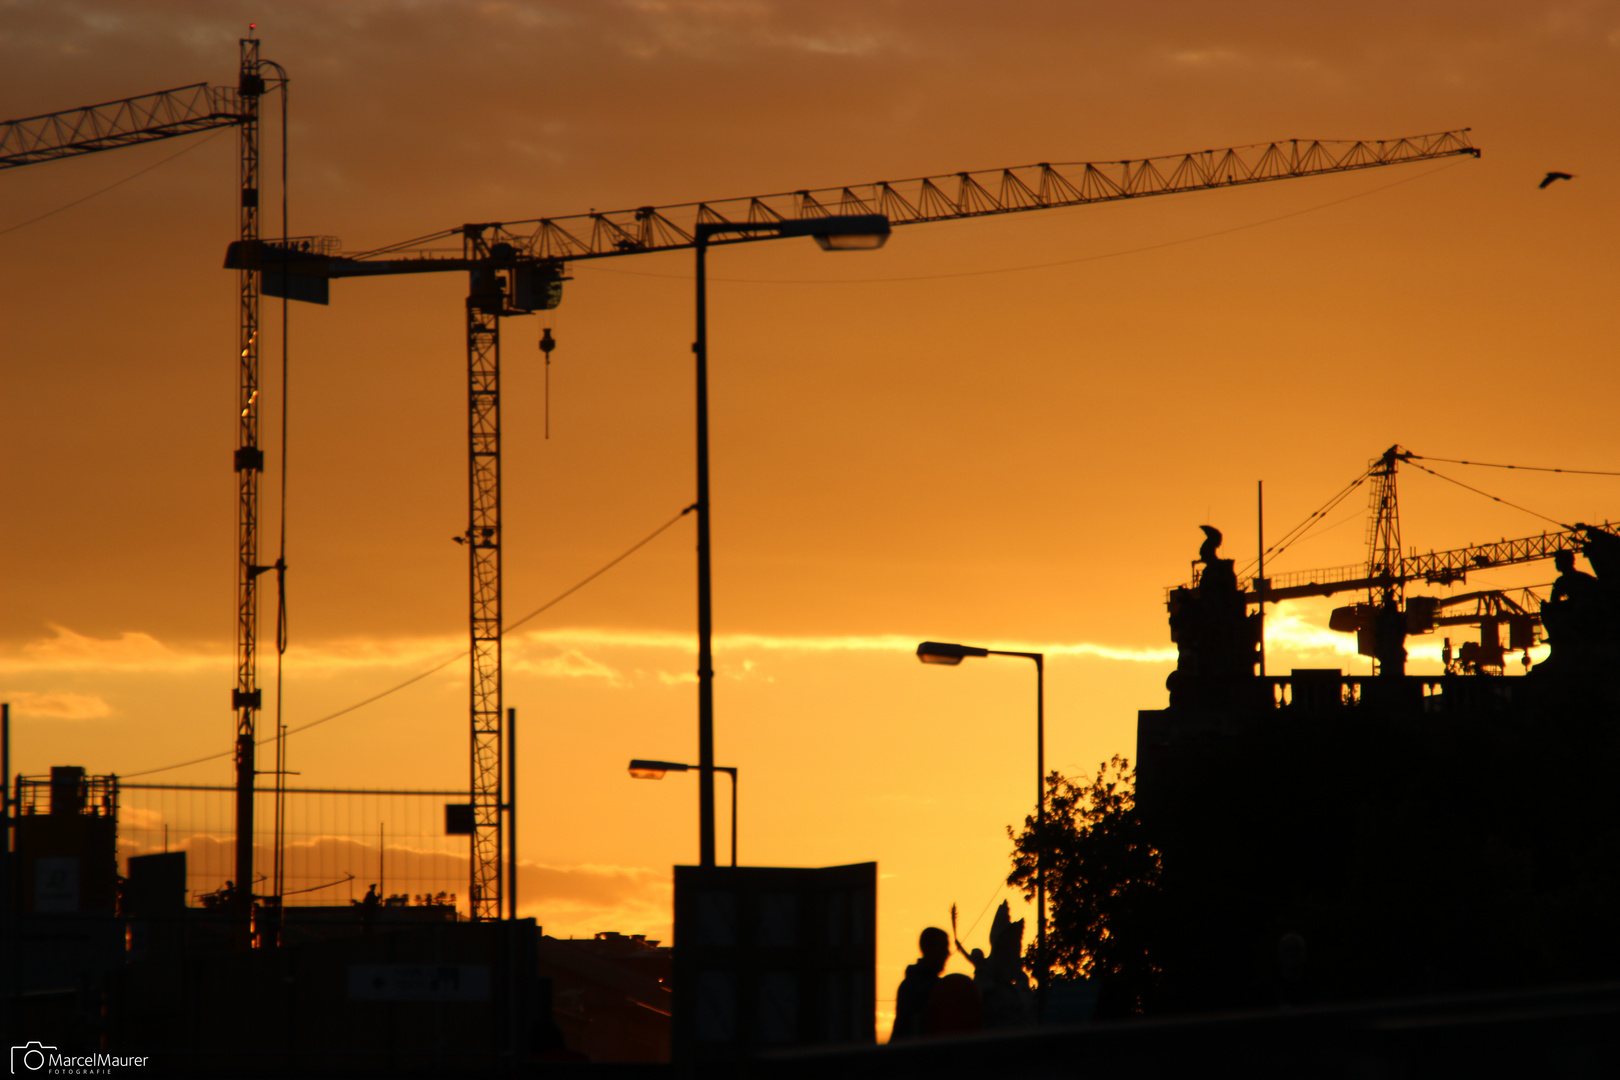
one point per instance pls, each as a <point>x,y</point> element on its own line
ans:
<point>1102,883</point>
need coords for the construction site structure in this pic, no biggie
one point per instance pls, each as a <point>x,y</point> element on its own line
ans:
<point>517,268</point>
<point>1382,818</point>
<point>148,118</point>
<point>1388,616</point>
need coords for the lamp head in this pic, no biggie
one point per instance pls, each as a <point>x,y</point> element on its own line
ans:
<point>939,652</point>
<point>654,770</point>
<point>840,232</point>
<point>854,241</point>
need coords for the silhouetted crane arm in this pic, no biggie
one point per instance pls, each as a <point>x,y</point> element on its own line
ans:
<point>1435,567</point>
<point>1043,186</point>
<point>516,267</point>
<point>146,118</point>
<point>945,197</point>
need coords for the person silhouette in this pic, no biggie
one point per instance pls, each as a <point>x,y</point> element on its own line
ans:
<point>955,1008</point>
<point>917,988</point>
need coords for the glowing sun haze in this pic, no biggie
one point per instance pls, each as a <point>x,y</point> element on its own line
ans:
<point>1001,431</point>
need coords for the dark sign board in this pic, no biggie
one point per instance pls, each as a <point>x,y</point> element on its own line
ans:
<point>769,957</point>
<point>459,819</point>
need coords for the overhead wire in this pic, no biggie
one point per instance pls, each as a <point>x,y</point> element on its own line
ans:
<point>554,601</point>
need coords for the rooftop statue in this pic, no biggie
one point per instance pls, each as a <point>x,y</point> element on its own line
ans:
<point>1582,616</point>
<point>1003,986</point>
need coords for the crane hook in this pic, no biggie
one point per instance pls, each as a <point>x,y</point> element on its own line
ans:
<point>546,345</point>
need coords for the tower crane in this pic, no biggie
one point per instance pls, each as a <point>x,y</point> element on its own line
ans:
<point>516,268</point>
<point>1386,573</point>
<point>147,118</point>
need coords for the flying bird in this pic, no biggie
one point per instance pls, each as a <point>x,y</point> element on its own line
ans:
<point>1555,176</point>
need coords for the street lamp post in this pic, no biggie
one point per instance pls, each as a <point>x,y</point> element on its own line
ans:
<point>837,232</point>
<point>655,770</point>
<point>938,652</point>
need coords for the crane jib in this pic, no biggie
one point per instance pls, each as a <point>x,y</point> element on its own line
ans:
<point>551,242</point>
<point>1434,567</point>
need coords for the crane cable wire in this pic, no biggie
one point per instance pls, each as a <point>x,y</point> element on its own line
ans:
<point>114,184</point>
<point>1522,468</point>
<point>1297,533</point>
<point>1488,495</point>
<point>571,590</point>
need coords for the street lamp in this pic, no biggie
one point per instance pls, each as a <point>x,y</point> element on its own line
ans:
<point>655,770</point>
<point>939,652</point>
<point>834,232</point>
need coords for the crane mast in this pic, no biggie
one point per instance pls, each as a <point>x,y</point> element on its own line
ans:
<point>246,698</point>
<point>1383,565</point>
<point>517,267</point>
<point>1384,532</point>
<point>485,306</point>
<point>146,118</point>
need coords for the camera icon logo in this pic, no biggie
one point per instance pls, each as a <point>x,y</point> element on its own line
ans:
<point>29,1058</point>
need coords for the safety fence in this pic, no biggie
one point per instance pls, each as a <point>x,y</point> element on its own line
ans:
<point>338,844</point>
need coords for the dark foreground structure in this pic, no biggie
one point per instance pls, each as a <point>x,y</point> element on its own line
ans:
<point>1358,876</point>
<point>1563,1032</point>
<point>1330,838</point>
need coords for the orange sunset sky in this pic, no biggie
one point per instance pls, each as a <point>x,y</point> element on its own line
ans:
<point>1003,431</point>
